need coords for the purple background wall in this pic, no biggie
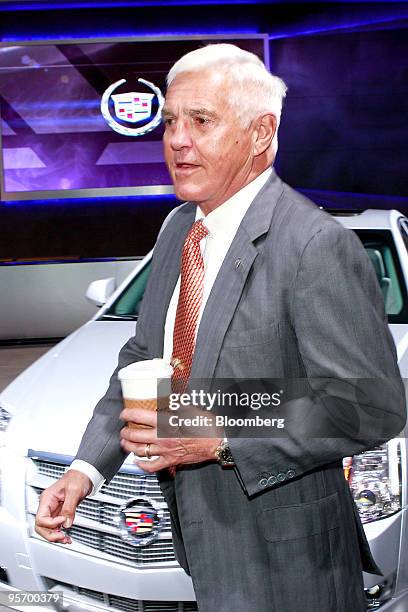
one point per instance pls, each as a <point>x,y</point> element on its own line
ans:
<point>344,127</point>
<point>343,138</point>
<point>55,140</point>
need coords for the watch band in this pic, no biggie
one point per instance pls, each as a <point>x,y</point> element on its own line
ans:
<point>223,455</point>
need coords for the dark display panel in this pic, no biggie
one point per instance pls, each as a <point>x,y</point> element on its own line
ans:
<point>344,126</point>
<point>55,141</point>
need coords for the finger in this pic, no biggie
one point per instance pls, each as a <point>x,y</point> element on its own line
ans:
<point>50,504</point>
<point>131,447</point>
<point>72,499</point>
<point>153,466</point>
<point>140,416</point>
<point>47,522</point>
<point>69,516</point>
<point>77,487</point>
<point>141,436</point>
<point>65,539</point>
<point>58,537</point>
<point>53,535</point>
<point>140,449</point>
<point>152,451</point>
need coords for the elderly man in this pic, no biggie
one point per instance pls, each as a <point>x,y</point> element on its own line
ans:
<point>249,280</point>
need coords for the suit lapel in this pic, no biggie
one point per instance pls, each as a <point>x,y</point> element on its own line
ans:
<point>231,279</point>
<point>221,304</point>
<point>168,252</point>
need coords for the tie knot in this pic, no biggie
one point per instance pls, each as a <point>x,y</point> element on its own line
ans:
<point>197,231</point>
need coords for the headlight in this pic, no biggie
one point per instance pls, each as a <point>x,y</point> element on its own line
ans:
<point>374,478</point>
<point>5,417</point>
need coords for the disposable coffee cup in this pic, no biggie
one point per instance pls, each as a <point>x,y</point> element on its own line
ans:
<point>146,384</point>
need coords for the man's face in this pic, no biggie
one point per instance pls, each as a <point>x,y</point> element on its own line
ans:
<point>207,149</point>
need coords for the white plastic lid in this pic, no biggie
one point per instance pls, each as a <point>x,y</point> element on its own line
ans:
<point>151,368</point>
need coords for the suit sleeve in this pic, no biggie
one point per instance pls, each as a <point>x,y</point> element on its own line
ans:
<point>355,398</point>
<point>100,444</point>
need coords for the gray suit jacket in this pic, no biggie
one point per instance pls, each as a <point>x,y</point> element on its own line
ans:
<point>280,532</point>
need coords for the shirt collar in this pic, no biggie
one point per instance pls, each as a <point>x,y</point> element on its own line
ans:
<point>226,218</point>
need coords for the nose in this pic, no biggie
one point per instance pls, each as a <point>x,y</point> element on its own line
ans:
<point>179,136</point>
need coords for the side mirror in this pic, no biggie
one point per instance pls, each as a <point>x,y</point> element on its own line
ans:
<point>99,291</point>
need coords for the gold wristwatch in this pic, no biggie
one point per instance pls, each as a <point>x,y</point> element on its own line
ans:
<point>223,454</point>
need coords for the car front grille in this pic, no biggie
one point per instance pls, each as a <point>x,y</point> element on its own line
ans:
<point>130,485</point>
<point>157,552</point>
<point>105,513</point>
<point>47,468</point>
<point>122,487</point>
<point>126,604</point>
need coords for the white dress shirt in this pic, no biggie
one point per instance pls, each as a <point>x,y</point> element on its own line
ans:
<point>222,224</point>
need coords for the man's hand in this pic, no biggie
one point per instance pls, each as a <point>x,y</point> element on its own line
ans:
<point>58,504</point>
<point>171,451</point>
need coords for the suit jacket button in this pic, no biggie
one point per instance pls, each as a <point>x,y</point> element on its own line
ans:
<point>263,482</point>
<point>271,480</point>
<point>290,473</point>
<point>281,477</point>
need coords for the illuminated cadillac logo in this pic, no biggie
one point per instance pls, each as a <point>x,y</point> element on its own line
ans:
<point>132,107</point>
<point>140,521</point>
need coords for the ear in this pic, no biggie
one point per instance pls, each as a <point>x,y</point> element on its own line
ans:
<point>264,132</point>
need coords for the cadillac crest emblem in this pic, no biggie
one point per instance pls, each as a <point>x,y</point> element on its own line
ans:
<point>140,521</point>
<point>132,107</point>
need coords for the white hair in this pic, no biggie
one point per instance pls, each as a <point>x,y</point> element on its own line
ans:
<point>254,90</point>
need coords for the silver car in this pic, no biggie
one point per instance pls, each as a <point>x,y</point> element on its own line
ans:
<point>44,412</point>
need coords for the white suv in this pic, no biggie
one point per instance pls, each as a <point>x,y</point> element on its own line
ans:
<point>43,414</point>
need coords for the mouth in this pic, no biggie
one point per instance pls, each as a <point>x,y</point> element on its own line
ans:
<point>183,169</point>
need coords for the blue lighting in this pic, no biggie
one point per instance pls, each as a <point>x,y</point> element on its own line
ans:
<point>374,197</point>
<point>42,262</point>
<point>348,200</point>
<point>86,201</point>
<point>40,6</point>
<point>346,26</point>
<point>59,105</point>
<point>85,36</point>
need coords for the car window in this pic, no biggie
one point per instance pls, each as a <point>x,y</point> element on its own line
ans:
<point>128,304</point>
<point>380,248</point>
<point>403,225</point>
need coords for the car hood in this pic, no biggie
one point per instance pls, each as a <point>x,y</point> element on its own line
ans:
<point>53,400</point>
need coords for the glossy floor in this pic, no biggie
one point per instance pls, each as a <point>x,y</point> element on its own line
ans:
<point>15,359</point>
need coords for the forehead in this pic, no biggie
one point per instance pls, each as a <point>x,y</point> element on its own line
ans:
<point>205,89</point>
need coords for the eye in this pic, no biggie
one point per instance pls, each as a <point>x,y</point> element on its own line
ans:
<point>202,120</point>
<point>168,121</point>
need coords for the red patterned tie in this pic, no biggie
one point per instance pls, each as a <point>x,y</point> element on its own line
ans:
<point>188,307</point>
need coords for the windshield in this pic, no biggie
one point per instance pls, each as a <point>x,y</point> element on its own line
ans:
<point>127,305</point>
<point>380,249</point>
